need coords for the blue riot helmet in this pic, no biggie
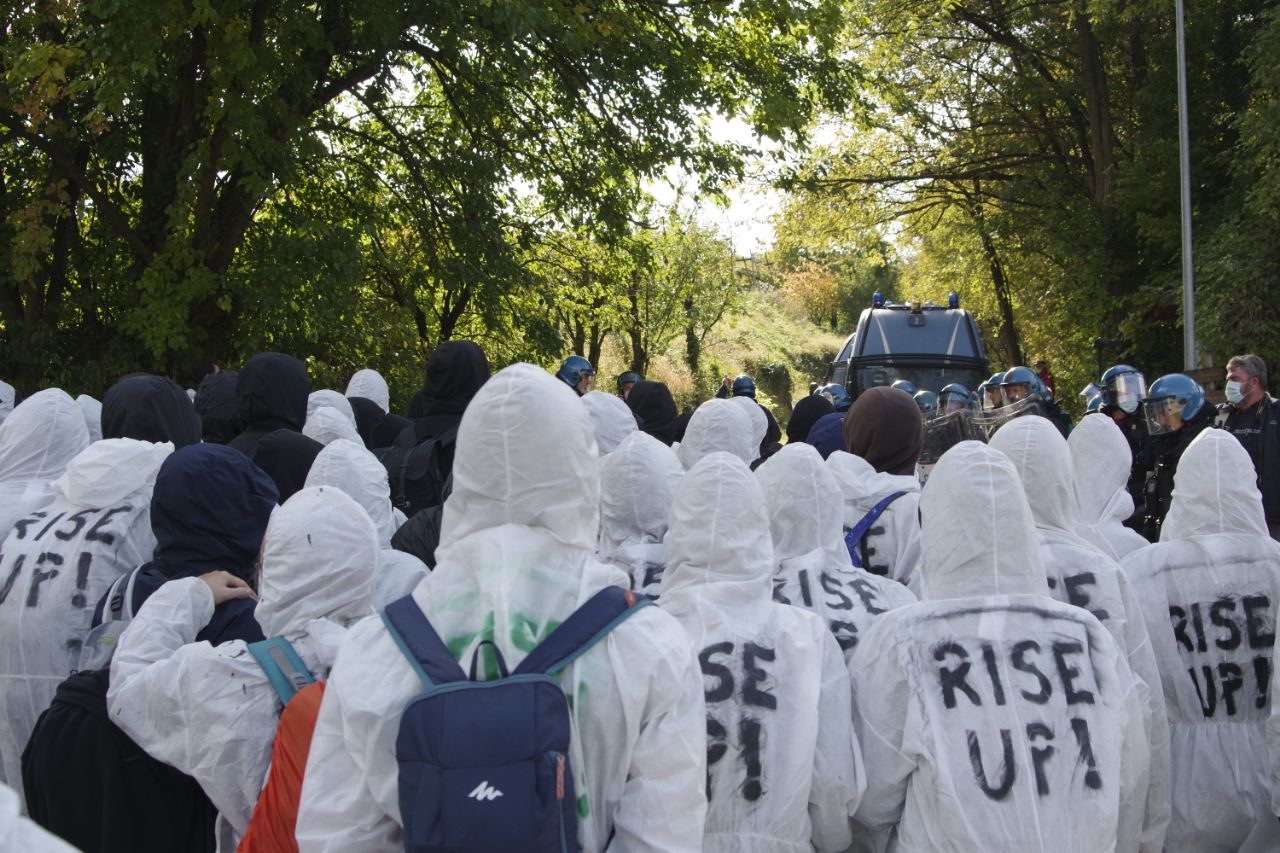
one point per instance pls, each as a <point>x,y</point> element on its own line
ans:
<point>928,403</point>
<point>838,395</point>
<point>744,386</point>
<point>1089,391</point>
<point>905,385</point>
<point>954,398</point>
<point>1173,399</point>
<point>1021,383</point>
<point>1095,404</point>
<point>574,372</point>
<point>626,380</point>
<point>992,396</point>
<point>1124,387</point>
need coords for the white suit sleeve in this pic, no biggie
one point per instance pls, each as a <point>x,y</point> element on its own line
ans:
<point>151,698</point>
<point>1273,738</point>
<point>838,775</point>
<point>336,810</point>
<point>1142,662</point>
<point>1135,760</point>
<point>882,705</point>
<point>668,762</point>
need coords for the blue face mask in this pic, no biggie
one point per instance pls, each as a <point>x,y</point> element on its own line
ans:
<point>1234,393</point>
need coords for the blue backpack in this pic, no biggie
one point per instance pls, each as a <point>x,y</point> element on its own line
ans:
<point>484,765</point>
<point>855,539</point>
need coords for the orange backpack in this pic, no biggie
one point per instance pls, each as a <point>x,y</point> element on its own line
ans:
<point>275,816</point>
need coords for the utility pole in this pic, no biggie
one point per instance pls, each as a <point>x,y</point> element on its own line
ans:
<point>1184,162</point>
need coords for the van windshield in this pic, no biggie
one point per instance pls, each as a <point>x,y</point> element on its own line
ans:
<point>931,378</point>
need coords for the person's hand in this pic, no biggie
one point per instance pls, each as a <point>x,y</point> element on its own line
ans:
<point>226,587</point>
<point>727,382</point>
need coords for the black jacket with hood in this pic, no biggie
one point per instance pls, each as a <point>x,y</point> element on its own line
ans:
<point>85,780</point>
<point>271,394</point>
<point>149,408</point>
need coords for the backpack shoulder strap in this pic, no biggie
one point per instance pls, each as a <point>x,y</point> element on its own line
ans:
<point>585,627</point>
<point>284,669</point>
<point>420,643</point>
<point>853,539</point>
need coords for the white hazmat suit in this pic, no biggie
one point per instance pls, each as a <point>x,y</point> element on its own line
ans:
<point>347,465</point>
<point>893,542</point>
<point>784,772</point>
<point>612,419</point>
<point>1080,574</point>
<point>369,384</point>
<point>92,416</point>
<point>718,425</point>
<point>1101,458</point>
<point>210,710</point>
<point>1208,591</point>
<point>328,398</point>
<point>327,424</point>
<point>515,558</point>
<point>637,484</point>
<point>8,397</point>
<point>812,566</point>
<point>54,567</point>
<point>992,717</point>
<point>37,441</point>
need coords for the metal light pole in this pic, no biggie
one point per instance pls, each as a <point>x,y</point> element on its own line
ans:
<point>1184,162</point>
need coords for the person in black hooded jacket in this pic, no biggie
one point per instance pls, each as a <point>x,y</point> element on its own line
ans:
<point>271,394</point>
<point>216,405</point>
<point>806,413</point>
<point>85,780</point>
<point>149,408</point>
<point>376,427</point>
<point>455,372</point>
<point>286,457</point>
<point>654,409</point>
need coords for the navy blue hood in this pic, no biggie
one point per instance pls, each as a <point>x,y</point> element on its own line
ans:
<point>209,511</point>
<point>827,434</point>
<point>271,392</point>
<point>216,405</point>
<point>149,408</point>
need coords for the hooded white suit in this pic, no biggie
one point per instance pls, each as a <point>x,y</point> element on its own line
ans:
<point>55,566</point>
<point>515,558</point>
<point>327,398</point>
<point>1081,574</point>
<point>327,424</point>
<point>893,542</point>
<point>718,425</point>
<point>637,484</point>
<point>347,465</point>
<point>210,710</point>
<point>812,566</point>
<point>1208,591</point>
<point>7,396</point>
<point>1101,458</point>
<point>612,419</point>
<point>759,420</point>
<point>369,384</point>
<point>992,717</point>
<point>92,416</point>
<point>785,773</point>
<point>36,442</point>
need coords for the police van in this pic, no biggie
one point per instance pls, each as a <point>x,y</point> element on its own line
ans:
<point>929,345</point>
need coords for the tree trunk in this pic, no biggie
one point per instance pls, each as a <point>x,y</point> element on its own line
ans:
<point>1008,331</point>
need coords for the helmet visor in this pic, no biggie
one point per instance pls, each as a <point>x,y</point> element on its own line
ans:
<point>994,397</point>
<point>1015,393</point>
<point>1164,415</point>
<point>1127,390</point>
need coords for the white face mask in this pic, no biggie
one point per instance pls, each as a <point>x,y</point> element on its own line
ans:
<point>1128,403</point>
<point>1234,394</point>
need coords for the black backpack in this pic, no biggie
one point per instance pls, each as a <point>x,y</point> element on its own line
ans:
<point>414,471</point>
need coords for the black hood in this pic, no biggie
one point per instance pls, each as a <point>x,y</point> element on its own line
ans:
<point>216,405</point>
<point>805,415</point>
<point>150,408</point>
<point>455,372</point>
<point>654,409</point>
<point>286,456</point>
<point>271,392</point>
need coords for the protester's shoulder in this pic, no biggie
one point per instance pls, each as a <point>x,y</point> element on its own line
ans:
<point>653,639</point>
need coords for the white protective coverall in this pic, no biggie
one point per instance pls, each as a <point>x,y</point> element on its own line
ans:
<point>369,384</point>
<point>21,835</point>
<point>92,415</point>
<point>327,424</point>
<point>811,563</point>
<point>209,710</point>
<point>515,557</point>
<point>7,396</point>
<point>718,425</point>
<point>759,420</point>
<point>893,543</point>
<point>612,419</point>
<point>784,771</point>
<point>333,400</point>
<point>1101,459</point>
<point>992,717</point>
<point>348,466</point>
<point>1082,575</point>
<point>637,484</point>
<point>1208,591</point>
<point>36,443</point>
<point>56,564</point>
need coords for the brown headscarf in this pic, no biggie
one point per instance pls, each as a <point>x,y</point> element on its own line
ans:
<point>884,427</point>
